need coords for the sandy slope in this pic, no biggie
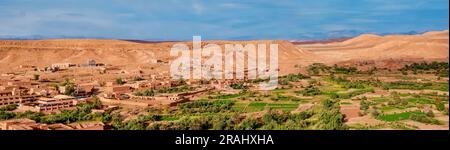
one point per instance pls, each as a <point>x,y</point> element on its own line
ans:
<point>430,45</point>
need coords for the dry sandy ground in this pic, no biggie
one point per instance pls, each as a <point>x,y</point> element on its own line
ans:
<point>365,120</point>
<point>303,107</point>
<point>422,126</point>
<point>129,55</point>
<point>350,110</point>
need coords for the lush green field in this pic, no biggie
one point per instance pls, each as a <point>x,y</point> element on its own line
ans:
<point>388,108</point>
<point>345,103</point>
<point>261,106</point>
<point>421,100</point>
<point>416,86</point>
<point>398,116</point>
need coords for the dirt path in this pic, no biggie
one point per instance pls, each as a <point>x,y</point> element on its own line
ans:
<point>422,126</point>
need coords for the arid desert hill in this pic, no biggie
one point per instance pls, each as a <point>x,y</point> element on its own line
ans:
<point>427,46</point>
<point>42,53</point>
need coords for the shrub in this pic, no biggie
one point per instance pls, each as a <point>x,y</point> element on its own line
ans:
<point>36,77</point>
<point>4,115</point>
<point>206,106</point>
<point>375,113</point>
<point>145,93</point>
<point>119,81</point>
<point>440,106</point>
<point>183,88</point>
<point>310,91</point>
<point>70,90</point>
<point>137,78</point>
<point>424,119</point>
<point>430,113</point>
<point>364,105</point>
<point>248,124</point>
<point>238,86</point>
<point>9,107</point>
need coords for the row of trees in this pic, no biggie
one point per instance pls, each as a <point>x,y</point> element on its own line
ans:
<point>358,84</point>
<point>344,70</point>
<point>183,88</point>
<point>238,86</point>
<point>426,66</point>
<point>284,80</point>
<point>438,68</point>
<point>329,118</point>
<point>425,118</point>
<point>147,92</point>
<point>272,120</point>
<point>414,85</point>
<point>9,107</point>
<point>5,113</point>
<point>140,123</point>
<point>82,113</point>
<point>319,68</point>
<point>206,106</point>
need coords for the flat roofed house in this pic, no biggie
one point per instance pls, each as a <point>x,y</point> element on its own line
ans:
<point>15,97</point>
<point>140,85</point>
<point>92,62</point>
<point>27,66</point>
<point>121,89</point>
<point>17,124</point>
<point>92,125</point>
<point>59,102</point>
<point>57,126</point>
<point>19,127</point>
<point>84,90</point>
<point>28,124</point>
<point>4,93</point>
<point>63,65</point>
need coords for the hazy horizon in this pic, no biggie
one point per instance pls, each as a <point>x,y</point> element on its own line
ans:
<point>37,37</point>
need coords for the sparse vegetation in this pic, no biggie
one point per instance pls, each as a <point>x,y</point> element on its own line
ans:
<point>300,102</point>
<point>119,81</point>
<point>36,77</point>
<point>183,88</point>
<point>145,93</point>
<point>310,91</point>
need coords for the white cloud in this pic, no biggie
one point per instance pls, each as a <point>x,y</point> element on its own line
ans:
<point>231,5</point>
<point>198,8</point>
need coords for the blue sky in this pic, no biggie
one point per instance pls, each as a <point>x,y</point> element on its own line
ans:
<point>218,19</point>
